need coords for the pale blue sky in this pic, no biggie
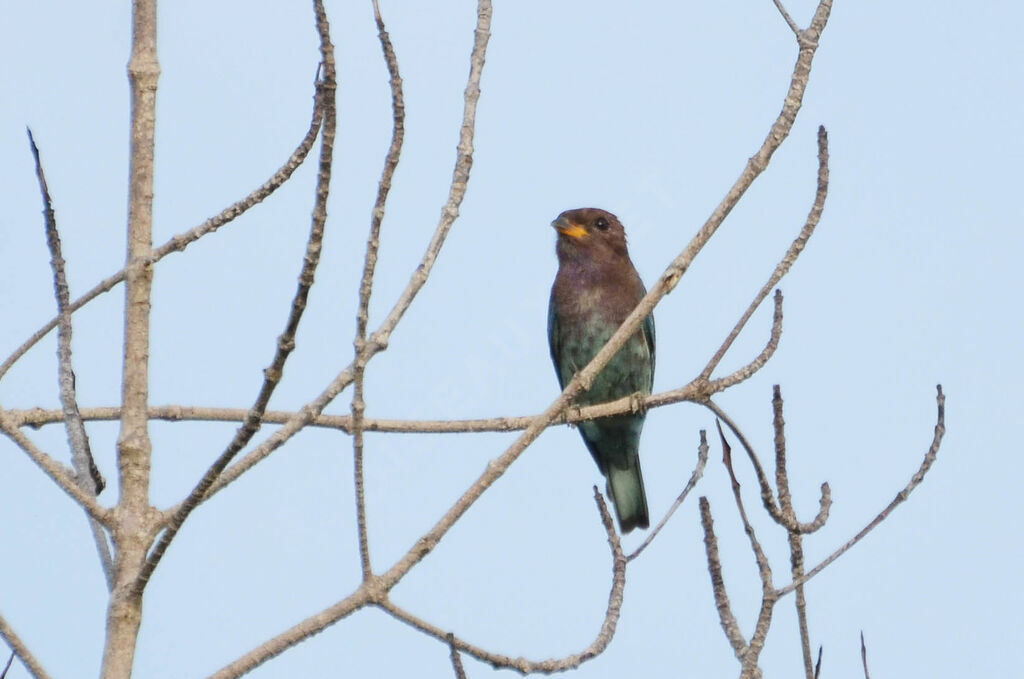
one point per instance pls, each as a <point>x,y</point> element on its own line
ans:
<point>649,111</point>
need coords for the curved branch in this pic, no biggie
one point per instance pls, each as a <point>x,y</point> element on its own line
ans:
<point>550,666</point>
<point>698,472</point>
<point>759,361</point>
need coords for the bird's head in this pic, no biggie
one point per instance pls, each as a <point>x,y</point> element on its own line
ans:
<point>591,233</point>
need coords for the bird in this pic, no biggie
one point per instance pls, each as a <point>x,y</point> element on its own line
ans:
<point>595,289</point>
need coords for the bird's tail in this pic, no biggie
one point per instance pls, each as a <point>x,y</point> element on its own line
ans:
<point>626,488</point>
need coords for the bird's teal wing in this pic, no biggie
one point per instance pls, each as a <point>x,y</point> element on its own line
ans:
<point>554,341</point>
<point>649,336</point>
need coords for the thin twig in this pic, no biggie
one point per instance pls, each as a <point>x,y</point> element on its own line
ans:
<point>915,481</point>
<point>747,371</point>
<point>789,20</point>
<point>550,666</point>
<point>763,567</point>
<point>698,472</point>
<point>10,660</point>
<point>286,341</point>
<point>366,285</point>
<point>817,665</point>
<point>60,475</point>
<point>767,496</point>
<point>87,476</point>
<point>796,551</point>
<point>785,264</point>
<point>183,240</point>
<point>728,621</point>
<point>768,594</point>
<point>864,656</point>
<point>12,639</point>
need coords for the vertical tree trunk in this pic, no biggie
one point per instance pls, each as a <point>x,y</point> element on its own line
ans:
<point>133,525</point>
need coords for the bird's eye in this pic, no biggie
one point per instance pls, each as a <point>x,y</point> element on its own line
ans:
<point>601,223</point>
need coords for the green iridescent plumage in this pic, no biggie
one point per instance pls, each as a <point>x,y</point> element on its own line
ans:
<point>595,290</point>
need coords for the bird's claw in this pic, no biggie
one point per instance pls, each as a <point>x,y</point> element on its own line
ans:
<point>636,403</point>
<point>573,412</point>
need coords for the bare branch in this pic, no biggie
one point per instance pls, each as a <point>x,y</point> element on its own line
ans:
<point>725,616</point>
<point>366,286</point>
<point>817,665</point>
<point>768,595</point>
<point>12,639</point>
<point>87,476</point>
<point>915,481</point>
<point>759,361</point>
<point>763,567</point>
<point>286,342</point>
<point>789,20</point>
<point>796,551</point>
<point>781,269</point>
<point>183,240</point>
<point>864,656</point>
<point>693,393</point>
<point>56,471</point>
<point>10,660</point>
<point>698,472</point>
<point>78,439</point>
<point>297,634</point>
<point>523,665</point>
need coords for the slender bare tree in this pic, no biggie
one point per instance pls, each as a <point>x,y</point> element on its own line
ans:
<point>132,536</point>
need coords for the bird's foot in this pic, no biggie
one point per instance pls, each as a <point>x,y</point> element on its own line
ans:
<point>573,413</point>
<point>636,403</point>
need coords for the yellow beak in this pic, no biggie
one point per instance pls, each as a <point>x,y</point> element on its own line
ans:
<point>569,229</point>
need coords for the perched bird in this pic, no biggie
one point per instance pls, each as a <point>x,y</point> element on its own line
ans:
<point>595,290</point>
